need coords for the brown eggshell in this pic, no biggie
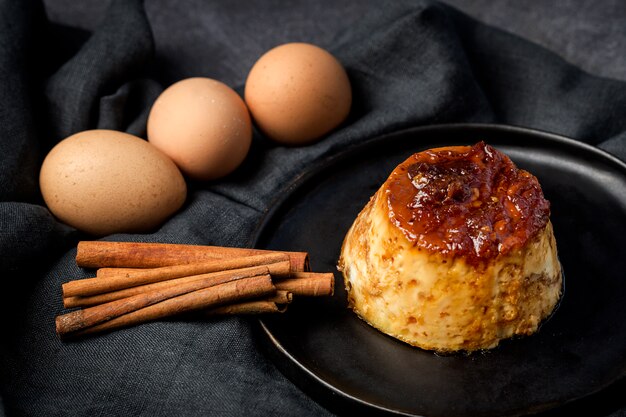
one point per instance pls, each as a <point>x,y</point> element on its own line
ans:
<point>203,125</point>
<point>104,181</point>
<point>297,93</point>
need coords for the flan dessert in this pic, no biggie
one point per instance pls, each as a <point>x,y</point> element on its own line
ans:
<point>454,252</point>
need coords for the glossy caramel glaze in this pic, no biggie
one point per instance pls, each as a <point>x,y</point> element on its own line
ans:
<point>469,201</point>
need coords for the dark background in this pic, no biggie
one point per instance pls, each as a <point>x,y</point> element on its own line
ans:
<point>67,66</point>
<point>589,34</point>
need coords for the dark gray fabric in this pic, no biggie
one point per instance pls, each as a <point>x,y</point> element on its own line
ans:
<point>411,63</point>
<point>589,34</point>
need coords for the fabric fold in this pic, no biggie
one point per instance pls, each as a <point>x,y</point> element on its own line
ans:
<point>116,53</point>
<point>20,150</point>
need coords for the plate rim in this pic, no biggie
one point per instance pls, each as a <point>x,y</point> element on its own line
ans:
<point>348,401</point>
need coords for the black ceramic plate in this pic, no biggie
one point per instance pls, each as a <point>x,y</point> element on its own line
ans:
<point>352,368</point>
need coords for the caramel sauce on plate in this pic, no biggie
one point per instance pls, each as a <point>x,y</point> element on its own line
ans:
<point>470,201</point>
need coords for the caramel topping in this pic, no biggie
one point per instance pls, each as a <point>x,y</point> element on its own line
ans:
<point>466,201</point>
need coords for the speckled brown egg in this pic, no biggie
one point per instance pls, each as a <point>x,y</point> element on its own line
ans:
<point>203,125</point>
<point>104,181</point>
<point>297,93</point>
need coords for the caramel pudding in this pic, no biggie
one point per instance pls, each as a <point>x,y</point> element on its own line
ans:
<point>455,251</point>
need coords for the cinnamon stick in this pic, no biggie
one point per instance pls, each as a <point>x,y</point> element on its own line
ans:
<point>310,284</point>
<point>280,297</point>
<point>100,254</point>
<point>276,303</point>
<point>130,272</point>
<point>277,262</point>
<point>216,277</point>
<point>108,272</point>
<point>80,319</point>
<point>112,272</point>
<point>247,308</point>
<point>201,299</point>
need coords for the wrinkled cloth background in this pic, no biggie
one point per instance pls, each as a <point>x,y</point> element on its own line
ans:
<point>102,64</point>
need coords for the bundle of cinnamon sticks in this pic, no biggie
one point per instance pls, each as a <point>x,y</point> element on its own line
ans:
<point>141,282</point>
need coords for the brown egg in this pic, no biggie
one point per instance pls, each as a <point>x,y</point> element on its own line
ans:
<point>203,125</point>
<point>103,182</point>
<point>297,93</point>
